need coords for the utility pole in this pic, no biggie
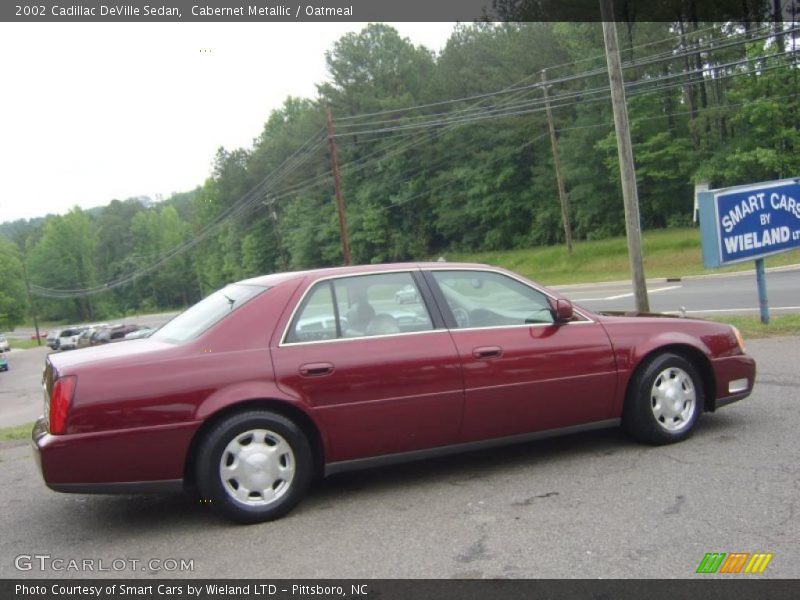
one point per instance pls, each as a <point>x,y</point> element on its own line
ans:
<point>30,301</point>
<point>562,194</point>
<point>630,197</point>
<point>337,184</point>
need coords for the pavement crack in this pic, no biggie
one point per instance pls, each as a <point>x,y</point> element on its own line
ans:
<point>476,551</point>
<point>531,499</point>
<point>778,383</point>
<point>676,508</point>
<point>676,459</point>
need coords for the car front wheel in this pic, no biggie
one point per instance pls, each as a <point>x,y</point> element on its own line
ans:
<point>664,401</point>
<point>254,466</point>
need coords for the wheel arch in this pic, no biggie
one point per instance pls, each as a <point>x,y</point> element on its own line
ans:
<point>695,356</point>
<point>298,416</point>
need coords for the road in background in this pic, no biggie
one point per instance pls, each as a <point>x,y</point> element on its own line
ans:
<point>21,399</point>
<point>700,296</point>
<point>718,295</point>
<point>155,320</point>
<point>589,505</point>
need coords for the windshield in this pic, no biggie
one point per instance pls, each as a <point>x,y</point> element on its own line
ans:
<point>196,319</point>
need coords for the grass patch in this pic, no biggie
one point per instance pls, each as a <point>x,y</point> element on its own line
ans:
<point>20,432</point>
<point>22,344</point>
<point>752,327</point>
<point>667,253</point>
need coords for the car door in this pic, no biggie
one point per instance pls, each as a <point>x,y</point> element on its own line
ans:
<point>382,376</point>
<point>523,372</point>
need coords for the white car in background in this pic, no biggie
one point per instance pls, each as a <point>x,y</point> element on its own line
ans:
<point>408,294</point>
<point>4,346</point>
<point>68,338</point>
<point>52,338</point>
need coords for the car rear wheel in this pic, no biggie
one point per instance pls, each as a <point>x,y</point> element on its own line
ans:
<point>254,466</point>
<point>664,401</point>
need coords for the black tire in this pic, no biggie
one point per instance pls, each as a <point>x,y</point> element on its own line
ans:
<point>258,506</point>
<point>657,408</point>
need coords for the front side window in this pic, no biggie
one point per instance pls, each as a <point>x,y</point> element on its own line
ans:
<point>360,306</point>
<point>488,299</point>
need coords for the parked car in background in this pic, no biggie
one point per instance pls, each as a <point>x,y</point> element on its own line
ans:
<point>4,345</point>
<point>68,338</point>
<point>85,339</point>
<point>94,338</point>
<point>42,335</point>
<point>141,333</point>
<point>113,333</point>
<point>3,361</point>
<point>405,295</point>
<point>88,333</point>
<point>270,382</point>
<point>53,339</point>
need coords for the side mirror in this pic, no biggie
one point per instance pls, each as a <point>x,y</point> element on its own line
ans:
<point>563,310</point>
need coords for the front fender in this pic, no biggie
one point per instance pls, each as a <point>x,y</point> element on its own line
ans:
<point>634,340</point>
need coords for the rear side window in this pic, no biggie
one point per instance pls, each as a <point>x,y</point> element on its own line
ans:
<point>198,318</point>
<point>317,319</point>
<point>360,306</point>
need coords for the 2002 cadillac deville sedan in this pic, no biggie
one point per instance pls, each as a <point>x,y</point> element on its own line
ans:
<point>270,382</point>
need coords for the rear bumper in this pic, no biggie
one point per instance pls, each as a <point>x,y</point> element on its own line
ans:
<point>122,461</point>
<point>734,377</point>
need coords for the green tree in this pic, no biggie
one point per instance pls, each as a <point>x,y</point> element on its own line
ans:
<point>64,259</point>
<point>13,297</point>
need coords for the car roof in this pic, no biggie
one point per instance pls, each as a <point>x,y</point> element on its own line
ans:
<point>276,278</point>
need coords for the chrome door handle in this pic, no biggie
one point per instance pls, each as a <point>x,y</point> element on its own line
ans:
<point>316,369</point>
<point>485,352</point>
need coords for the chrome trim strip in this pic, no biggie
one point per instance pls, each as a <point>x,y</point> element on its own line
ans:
<point>529,284</point>
<point>122,487</point>
<point>361,337</point>
<point>401,457</point>
<point>524,325</point>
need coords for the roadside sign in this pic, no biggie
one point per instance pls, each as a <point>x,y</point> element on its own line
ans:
<point>748,223</point>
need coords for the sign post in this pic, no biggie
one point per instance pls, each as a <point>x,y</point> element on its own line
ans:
<point>750,222</point>
<point>761,281</point>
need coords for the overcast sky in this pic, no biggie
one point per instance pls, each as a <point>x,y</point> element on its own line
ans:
<point>90,112</point>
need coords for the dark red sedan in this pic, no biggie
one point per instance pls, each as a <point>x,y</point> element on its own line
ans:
<point>273,381</point>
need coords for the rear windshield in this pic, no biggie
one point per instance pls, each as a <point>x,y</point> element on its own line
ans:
<point>196,319</point>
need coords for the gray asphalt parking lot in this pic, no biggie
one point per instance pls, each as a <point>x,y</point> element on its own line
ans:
<point>588,505</point>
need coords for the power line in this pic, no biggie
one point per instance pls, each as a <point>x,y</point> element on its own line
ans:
<point>507,108</point>
<point>535,105</point>
<point>516,87</point>
<point>244,205</point>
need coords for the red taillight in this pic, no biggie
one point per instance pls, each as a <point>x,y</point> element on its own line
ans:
<point>60,400</point>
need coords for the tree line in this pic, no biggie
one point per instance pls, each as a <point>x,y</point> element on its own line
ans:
<point>438,152</point>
